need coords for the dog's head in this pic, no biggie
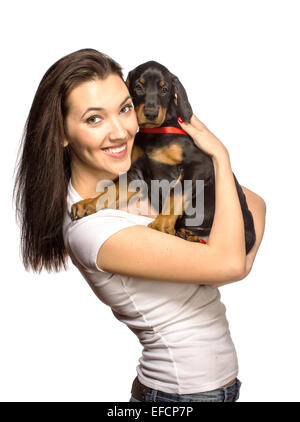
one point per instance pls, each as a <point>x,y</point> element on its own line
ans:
<point>158,95</point>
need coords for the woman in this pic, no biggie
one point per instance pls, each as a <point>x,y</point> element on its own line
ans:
<point>80,130</point>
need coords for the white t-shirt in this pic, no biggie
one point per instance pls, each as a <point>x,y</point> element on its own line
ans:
<point>187,347</point>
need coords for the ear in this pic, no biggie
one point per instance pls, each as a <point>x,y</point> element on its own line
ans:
<point>181,101</point>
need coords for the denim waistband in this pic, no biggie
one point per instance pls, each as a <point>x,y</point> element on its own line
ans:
<point>143,393</point>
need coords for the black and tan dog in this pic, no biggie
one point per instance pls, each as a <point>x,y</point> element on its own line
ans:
<point>162,151</point>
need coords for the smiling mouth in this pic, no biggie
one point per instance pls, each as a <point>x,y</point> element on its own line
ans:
<point>117,152</point>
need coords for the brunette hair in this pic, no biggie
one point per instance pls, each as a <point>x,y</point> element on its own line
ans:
<point>43,169</point>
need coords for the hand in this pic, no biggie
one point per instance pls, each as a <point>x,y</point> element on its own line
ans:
<point>203,138</point>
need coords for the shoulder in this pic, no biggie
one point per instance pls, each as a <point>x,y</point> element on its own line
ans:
<point>84,237</point>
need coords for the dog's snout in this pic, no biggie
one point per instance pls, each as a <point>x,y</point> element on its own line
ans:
<point>150,102</point>
<point>151,112</point>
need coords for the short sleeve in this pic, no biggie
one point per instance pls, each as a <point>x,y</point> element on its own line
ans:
<point>86,236</point>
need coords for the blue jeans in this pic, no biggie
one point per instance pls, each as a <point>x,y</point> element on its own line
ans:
<point>223,394</point>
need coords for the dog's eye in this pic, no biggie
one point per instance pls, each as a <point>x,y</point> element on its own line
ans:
<point>139,89</point>
<point>164,90</point>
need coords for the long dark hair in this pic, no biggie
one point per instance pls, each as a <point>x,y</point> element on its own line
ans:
<point>43,169</point>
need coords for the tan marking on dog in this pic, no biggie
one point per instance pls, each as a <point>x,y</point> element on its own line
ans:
<point>162,83</point>
<point>137,152</point>
<point>112,197</point>
<point>175,202</point>
<point>172,209</point>
<point>168,155</point>
<point>164,223</point>
<point>188,235</point>
<point>144,122</point>
<point>142,80</point>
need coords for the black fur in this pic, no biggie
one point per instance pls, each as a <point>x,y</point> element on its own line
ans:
<point>195,164</point>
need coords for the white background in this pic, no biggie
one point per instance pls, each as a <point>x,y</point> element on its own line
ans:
<point>239,62</point>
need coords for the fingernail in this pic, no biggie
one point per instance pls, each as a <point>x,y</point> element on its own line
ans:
<point>180,120</point>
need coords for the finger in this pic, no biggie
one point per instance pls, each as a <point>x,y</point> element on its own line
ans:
<point>194,122</point>
<point>190,129</point>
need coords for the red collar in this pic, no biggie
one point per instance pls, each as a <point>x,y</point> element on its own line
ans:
<point>164,129</point>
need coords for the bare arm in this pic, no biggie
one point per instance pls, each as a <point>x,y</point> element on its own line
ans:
<point>142,252</point>
<point>257,206</point>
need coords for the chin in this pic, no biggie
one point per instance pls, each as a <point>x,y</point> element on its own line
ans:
<point>123,169</point>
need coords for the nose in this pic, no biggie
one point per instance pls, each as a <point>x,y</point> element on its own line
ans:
<point>151,106</point>
<point>150,111</point>
<point>117,132</point>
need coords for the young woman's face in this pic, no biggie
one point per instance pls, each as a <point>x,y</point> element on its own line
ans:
<point>101,125</point>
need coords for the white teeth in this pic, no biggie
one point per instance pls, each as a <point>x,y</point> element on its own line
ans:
<point>115,150</point>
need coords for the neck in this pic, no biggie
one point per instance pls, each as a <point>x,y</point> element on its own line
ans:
<point>85,182</point>
<point>84,185</point>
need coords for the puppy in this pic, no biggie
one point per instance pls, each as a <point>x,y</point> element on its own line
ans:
<point>159,99</point>
<point>164,153</point>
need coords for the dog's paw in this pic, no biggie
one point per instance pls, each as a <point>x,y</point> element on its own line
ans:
<point>83,208</point>
<point>163,224</point>
<point>189,235</point>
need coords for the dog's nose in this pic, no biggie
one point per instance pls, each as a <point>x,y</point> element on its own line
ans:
<point>151,112</point>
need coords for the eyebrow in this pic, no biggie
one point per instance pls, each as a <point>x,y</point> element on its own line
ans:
<point>101,108</point>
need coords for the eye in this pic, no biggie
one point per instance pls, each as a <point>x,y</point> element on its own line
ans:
<point>93,120</point>
<point>164,90</point>
<point>139,88</point>
<point>127,108</point>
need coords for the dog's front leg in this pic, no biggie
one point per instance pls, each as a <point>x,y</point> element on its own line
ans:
<point>172,209</point>
<point>110,198</point>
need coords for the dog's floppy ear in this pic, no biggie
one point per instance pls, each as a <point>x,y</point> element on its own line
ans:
<point>181,101</point>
